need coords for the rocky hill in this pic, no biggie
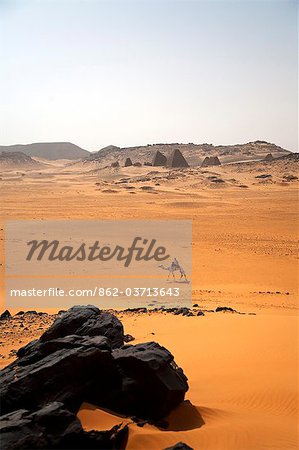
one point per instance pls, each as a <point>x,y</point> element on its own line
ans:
<point>49,150</point>
<point>193,153</point>
<point>17,160</point>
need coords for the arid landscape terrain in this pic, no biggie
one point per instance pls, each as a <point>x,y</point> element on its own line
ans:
<point>241,362</point>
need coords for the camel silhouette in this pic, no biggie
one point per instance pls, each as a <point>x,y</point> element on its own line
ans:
<point>174,266</point>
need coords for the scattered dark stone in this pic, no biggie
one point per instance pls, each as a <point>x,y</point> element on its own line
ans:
<point>183,311</point>
<point>54,427</point>
<point>290,178</point>
<point>217,180</point>
<point>264,175</point>
<point>138,310</point>
<point>179,446</point>
<point>128,338</point>
<point>109,191</point>
<point>5,315</point>
<point>115,164</point>
<point>200,313</point>
<point>20,313</point>
<point>147,188</point>
<point>137,164</point>
<point>195,305</point>
<point>224,308</point>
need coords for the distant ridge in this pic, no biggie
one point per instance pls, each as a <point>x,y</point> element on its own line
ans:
<point>10,160</point>
<point>193,153</point>
<point>48,150</point>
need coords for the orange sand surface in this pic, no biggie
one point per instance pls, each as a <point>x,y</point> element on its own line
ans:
<point>243,377</point>
<point>242,369</point>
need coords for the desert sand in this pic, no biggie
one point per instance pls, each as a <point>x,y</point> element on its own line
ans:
<point>242,368</point>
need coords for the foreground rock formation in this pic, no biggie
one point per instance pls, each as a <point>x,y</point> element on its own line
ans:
<point>82,357</point>
<point>54,427</point>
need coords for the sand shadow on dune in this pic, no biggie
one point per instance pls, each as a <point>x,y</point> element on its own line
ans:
<point>185,417</point>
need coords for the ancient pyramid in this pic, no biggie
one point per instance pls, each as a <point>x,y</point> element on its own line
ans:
<point>176,159</point>
<point>159,159</point>
<point>211,161</point>
<point>128,162</point>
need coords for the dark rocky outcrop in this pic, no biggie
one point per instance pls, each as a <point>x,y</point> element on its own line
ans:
<point>128,162</point>
<point>67,370</point>
<point>152,384</point>
<point>176,159</point>
<point>81,357</point>
<point>115,164</point>
<point>159,159</point>
<point>211,161</point>
<point>86,321</point>
<point>54,427</point>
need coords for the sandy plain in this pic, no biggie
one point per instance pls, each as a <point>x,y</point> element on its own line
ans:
<point>242,368</point>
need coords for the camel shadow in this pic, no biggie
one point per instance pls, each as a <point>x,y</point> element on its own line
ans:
<point>183,418</point>
<point>178,281</point>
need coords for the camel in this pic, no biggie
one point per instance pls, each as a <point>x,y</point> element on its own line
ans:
<point>172,268</point>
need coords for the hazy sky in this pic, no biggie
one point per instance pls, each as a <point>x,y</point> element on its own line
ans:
<point>145,71</point>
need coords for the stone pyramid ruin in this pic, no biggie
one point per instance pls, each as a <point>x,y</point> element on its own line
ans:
<point>211,161</point>
<point>159,159</point>
<point>128,162</point>
<point>176,159</point>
